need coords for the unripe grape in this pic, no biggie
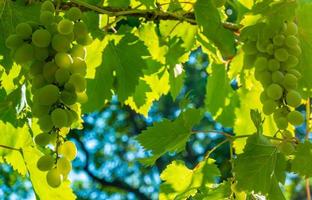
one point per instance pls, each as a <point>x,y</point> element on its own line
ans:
<point>264,77</point>
<point>84,40</point>
<point>60,43</point>
<point>269,107</point>
<point>41,38</point>
<point>64,166</point>
<point>74,14</point>
<point>69,98</point>
<point>286,148</point>
<point>62,76</point>
<point>24,30</point>
<point>52,28</point>
<point>291,28</point>
<point>54,178</point>
<point>78,66</point>
<point>261,46</point>
<point>281,54</point>
<point>45,163</point>
<point>270,49</point>
<point>38,81</point>
<point>275,91</point>
<point>291,62</point>
<point>291,41</point>
<point>293,98</point>
<point>49,70</point>
<point>263,97</point>
<point>290,81</point>
<point>278,77</point>
<point>78,51</point>
<point>39,110</point>
<point>278,40</point>
<point>63,60</point>
<point>45,123</point>
<point>13,41</point>
<point>295,72</point>
<point>287,134</point>
<point>59,118</point>
<point>281,112</point>
<point>46,18</point>
<point>78,82</point>
<point>82,97</point>
<point>71,36</point>
<point>65,27</point>
<point>273,65</point>
<point>281,122</point>
<point>41,53</point>
<point>43,139</point>
<point>295,118</point>
<point>47,6</point>
<point>68,150</point>
<point>261,63</point>
<point>48,95</point>
<point>295,50</point>
<point>36,68</point>
<point>24,53</point>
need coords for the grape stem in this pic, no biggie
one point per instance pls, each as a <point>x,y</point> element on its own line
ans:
<point>308,112</point>
<point>10,148</point>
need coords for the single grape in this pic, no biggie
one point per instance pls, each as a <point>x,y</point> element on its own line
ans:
<point>36,68</point>
<point>24,53</point>
<point>71,37</point>
<point>84,39</point>
<point>261,63</point>
<point>281,112</point>
<point>286,148</point>
<point>78,66</point>
<point>41,38</point>
<point>273,65</point>
<point>277,77</point>
<point>82,97</point>
<point>65,27</point>
<point>54,178</point>
<point>68,150</point>
<point>69,98</point>
<point>46,18</point>
<point>49,70</point>
<point>265,78</point>
<point>281,122</point>
<point>78,82</point>
<point>290,81</point>
<point>269,107</point>
<point>261,46</point>
<point>74,14</point>
<point>62,75</point>
<point>39,110</point>
<point>275,91</point>
<point>270,49</point>
<point>78,51</point>
<point>295,72</point>
<point>41,53</point>
<point>295,50</point>
<point>278,40</point>
<point>291,41</point>
<point>24,30</point>
<point>42,139</point>
<point>59,118</point>
<point>281,54</point>
<point>63,60</point>
<point>60,43</point>
<point>45,163</point>
<point>292,61</point>
<point>64,166</point>
<point>80,29</point>
<point>295,118</point>
<point>293,98</point>
<point>38,81</point>
<point>48,95</point>
<point>45,123</point>
<point>13,41</point>
<point>291,28</point>
<point>47,6</point>
<point>263,97</point>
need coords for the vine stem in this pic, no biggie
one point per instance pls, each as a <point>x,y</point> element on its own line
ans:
<point>308,112</point>
<point>8,147</point>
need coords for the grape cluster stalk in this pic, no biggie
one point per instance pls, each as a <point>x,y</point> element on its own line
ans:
<point>54,50</point>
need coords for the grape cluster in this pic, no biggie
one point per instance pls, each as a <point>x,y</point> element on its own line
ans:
<point>54,50</point>
<point>275,62</point>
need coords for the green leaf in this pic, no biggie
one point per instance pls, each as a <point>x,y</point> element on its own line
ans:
<point>222,191</point>
<point>260,167</point>
<point>118,3</point>
<point>208,19</point>
<point>176,79</point>
<point>168,135</point>
<point>148,3</point>
<point>302,163</point>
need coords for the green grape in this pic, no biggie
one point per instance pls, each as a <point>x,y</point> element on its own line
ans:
<point>295,50</point>
<point>64,166</point>
<point>63,60</point>
<point>250,48</point>
<point>41,53</point>
<point>261,63</point>
<point>275,91</point>
<point>295,72</point>
<point>47,6</point>
<point>292,61</point>
<point>69,98</point>
<point>13,41</point>
<point>42,139</point>
<point>45,123</point>
<point>281,112</point>
<point>69,87</point>
<point>261,46</point>
<point>54,178</point>
<point>278,40</point>
<point>45,163</point>
<point>24,53</point>
<point>49,70</point>
<point>48,95</point>
<point>281,54</point>
<point>41,38</point>
<point>269,107</point>
<point>24,30</point>
<point>78,82</point>
<point>286,148</point>
<point>82,97</point>
<point>36,68</point>
<point>263,97</point>
<point>78,51</point>
<point>78,66</point>
<point>291,28</point>
<point>281,122</point>
<point>46,18</point>
<point>84,39</point>
<point>80,29</point>
<point>38,81</point>
<point>293,98</point>
<point>59,118</point>
<point>270,49</point>
<point>291,41</point>
<point>71,37</point>
<point>273,65</point>
<point>287,134</point>
<point>277,77</point>
<point>39,110</point>
<point>265,78</point>
<point>74,14</point>
<point>295,118</point>
<point>60,43</point>
<point>249,61</point>
<point>65,27</point>
<point>52,28</point>
<point>62,75</point>
<point>290,81</point>
<point>68,150</point>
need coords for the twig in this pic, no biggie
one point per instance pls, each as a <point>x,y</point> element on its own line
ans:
<point>11,148</point>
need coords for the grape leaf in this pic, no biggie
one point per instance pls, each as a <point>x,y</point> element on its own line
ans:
<point>260,167</point>
<point>118,3</point>
<point>302,163</point>
<point>176,79</point>
<point>222,191</point>
<point>148,3</point>
<point>208,18</point>
<point>168,135</point>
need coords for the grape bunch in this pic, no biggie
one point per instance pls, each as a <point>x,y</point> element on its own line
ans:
<point>54,51</point>
<point>275,61</point>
